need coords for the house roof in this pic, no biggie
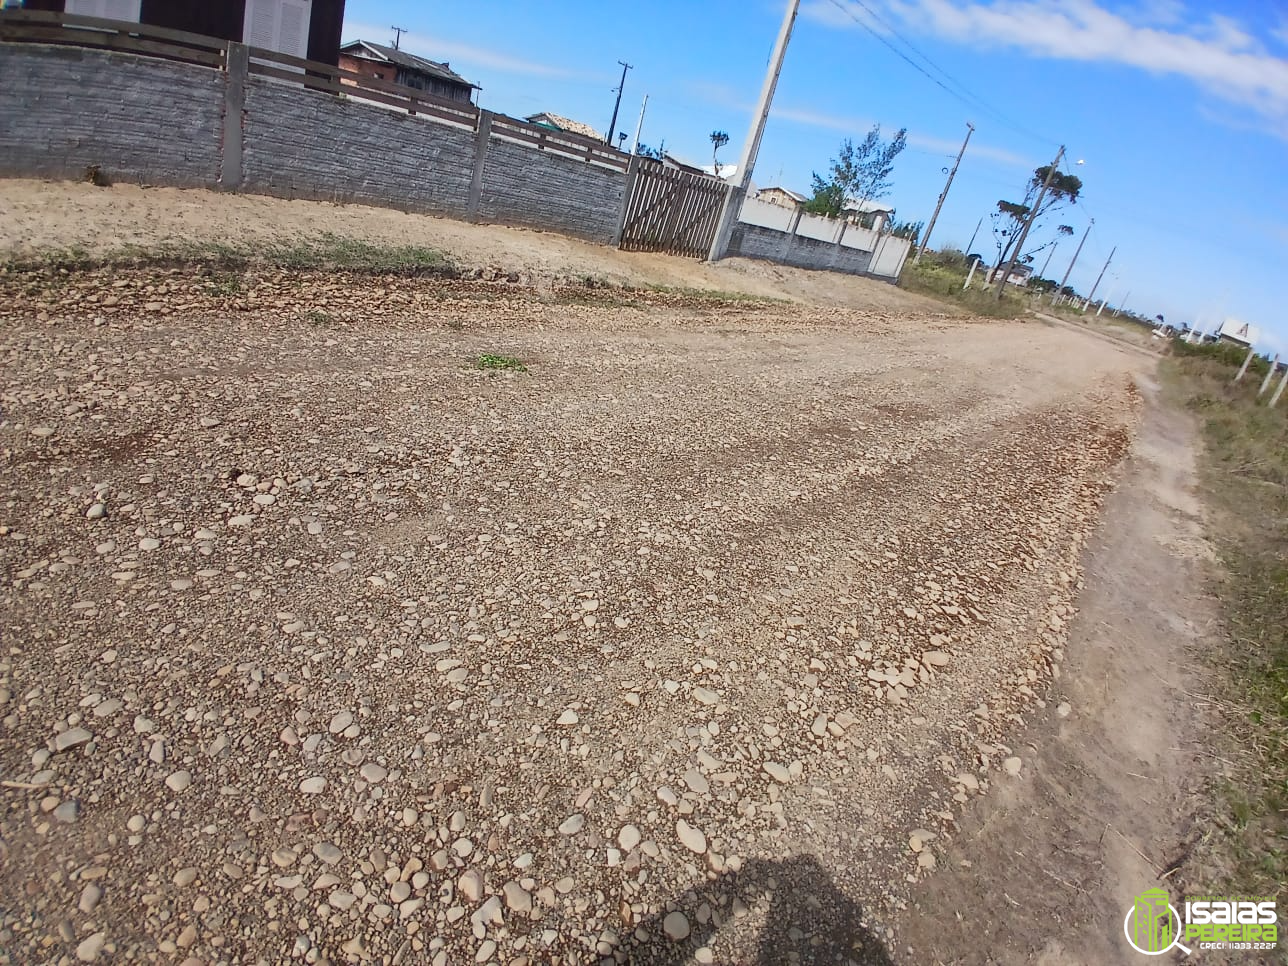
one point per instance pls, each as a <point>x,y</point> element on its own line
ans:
<point>865,206</point>
<point>795,196</point>
<point>561,123</point>
<point>372,51</point>
<point>1239,331</point>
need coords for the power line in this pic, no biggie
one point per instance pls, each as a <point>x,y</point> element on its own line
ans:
<point>961,94</point>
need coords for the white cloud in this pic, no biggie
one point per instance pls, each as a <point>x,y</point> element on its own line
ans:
<point>465,57</point>
<point>1217,54</point>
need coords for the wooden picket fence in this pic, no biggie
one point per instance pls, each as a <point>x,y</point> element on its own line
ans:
<point>669,210</point>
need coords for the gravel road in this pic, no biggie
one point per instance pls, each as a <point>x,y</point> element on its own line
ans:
<point>691,642</point>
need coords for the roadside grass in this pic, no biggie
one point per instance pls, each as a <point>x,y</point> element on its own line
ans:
<point>496,362</point>
<point>943,280</point>
<point>1244,473</point>
<point>325,251</point>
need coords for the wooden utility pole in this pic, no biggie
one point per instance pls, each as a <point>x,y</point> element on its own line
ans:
<point>398,32</point>
<point>1069,271</point>
<point>612,125</point>
<point>925,239</point>
<point>751,147</point>
<point>1028,223</point>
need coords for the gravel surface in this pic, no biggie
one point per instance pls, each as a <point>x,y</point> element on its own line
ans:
<point>691,642</point>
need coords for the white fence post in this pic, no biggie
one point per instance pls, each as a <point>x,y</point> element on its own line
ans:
<point>1246,360</point>
<point>1279,391</point>
<point>1274,364</point>
<point>971,274</point>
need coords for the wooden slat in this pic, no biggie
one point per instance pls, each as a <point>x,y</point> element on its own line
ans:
<point>109,41</point>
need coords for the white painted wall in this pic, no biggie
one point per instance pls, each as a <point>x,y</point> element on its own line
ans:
<point>766,215</point>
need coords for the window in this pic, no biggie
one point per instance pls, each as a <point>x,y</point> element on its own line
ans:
<point>106,9</point>
<point>281,25</point>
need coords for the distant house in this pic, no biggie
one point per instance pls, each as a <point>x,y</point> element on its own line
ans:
<point>301,28</point>
<point>1237,333</point>
<point>867,214</point>
<point>1020,274</point>
<point>557,122</point>
<point>783,197</point>
<point>406,70</point>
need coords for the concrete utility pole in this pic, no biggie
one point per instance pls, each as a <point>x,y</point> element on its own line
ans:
<point>925,238</point>
<point>640,126</point>
<point>1050,255</point>
<point>612,125</point>
<point>1028,223</point>
<point>1099,277</point>
<point>972,237</point>
<point>1078,251</point>
<point>751,147</point>
<point>974,264</point>
<point>398,32</point>
<point>1243,369</point>
<point>1123,306</point>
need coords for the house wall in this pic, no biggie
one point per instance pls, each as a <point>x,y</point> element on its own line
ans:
<point>224,19</point>
<point>145,119</point>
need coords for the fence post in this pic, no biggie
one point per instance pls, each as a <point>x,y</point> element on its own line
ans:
<point>1279,391</point>
<point>480,159</point>
<point>1252,351</point>
<point>974,264</point>
<point>632,172</point>
<point>796,220</point>
<point>237,67</point>
<point>1265,383</point>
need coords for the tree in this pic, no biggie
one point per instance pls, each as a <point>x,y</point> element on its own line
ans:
<point>858,173</point>
<point>644,151</point>
<point>1008,220</point>
<point>718,140</point>
<point>910,230</point>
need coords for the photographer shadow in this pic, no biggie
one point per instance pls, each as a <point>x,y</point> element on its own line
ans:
<point>810,920</point>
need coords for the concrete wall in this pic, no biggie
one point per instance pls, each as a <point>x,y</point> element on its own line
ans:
<point>145,119</point>
<point>752,241</point>
<point>305,145</point>
<point>524,186</point>
<point>64,108</point>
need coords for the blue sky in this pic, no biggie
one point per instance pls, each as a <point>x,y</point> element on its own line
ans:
<point>1180,111</point>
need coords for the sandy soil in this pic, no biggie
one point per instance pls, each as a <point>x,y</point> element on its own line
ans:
<point>37,215</point>
<point>1045,869</point>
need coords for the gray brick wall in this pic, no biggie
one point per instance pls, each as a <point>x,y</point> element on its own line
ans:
<point>305,144</point>
<point>753,241</point>
<point>524,186</point>
<point>64,108</point>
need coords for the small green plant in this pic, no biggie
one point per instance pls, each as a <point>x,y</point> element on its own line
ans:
<point>491,361</point>
<point>318,317</point>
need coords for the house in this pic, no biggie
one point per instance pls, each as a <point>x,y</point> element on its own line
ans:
<point>301,28</point>
<point>1237,333</point>
<point>406,70</point>
<point>557,122</point>
<point>783,197</point>
<point>867,214</point>
<point>1020,274</point>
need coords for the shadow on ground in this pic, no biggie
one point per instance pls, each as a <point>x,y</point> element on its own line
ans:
<point>810,920</point>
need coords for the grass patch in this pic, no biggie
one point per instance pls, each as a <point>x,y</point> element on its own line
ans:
<point>944,282</point>
<point>326,251</point>
<point>1244,472</point>
<point>498,362</point>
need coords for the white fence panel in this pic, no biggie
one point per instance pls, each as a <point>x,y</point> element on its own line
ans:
<point>889,255</point>
<point>766,215</point>
<point>864,239</point>
<point>816,226</point>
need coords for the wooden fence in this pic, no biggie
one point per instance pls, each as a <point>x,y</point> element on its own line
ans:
<point>673,211</point>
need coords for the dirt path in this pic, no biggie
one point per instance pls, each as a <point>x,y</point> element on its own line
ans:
<point>39,215</point>
<point>1045,868</point>
<point>326,643</point>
